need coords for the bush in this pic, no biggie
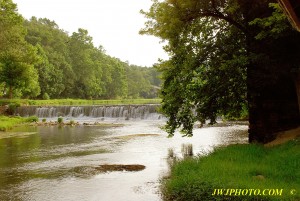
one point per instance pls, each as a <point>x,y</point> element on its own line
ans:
<point>60,120</point>
<point>32,102</point>
<point>12,107</point>
<point>44,120</point>
<point>8,123</point>
<point>32,119</point>
<point>46,96</point>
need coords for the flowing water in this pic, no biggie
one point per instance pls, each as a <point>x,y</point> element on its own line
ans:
<point>110,111</point>
<point>62,163</point>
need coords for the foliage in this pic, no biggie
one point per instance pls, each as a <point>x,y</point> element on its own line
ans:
<point>206,75</point>
<point>137,82</point>
<point>71,66</point>
<point>32,119</point>
<point>46,96</point>
<point>39,59</point>
<point>12,108</point>
<point>17,57</point>
<point>8,123</point>
<point>82,53</point>
<point>273,25</point>
<point>212,46</point>
<point>78,102</point>
<point>243,167</point>
<point>60,120</point>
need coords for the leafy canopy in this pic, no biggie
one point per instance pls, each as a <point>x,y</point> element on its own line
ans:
<point>208,43</point>
<point>17,57</point>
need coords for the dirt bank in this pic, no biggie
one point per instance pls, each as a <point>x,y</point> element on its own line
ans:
<point>285,136</point>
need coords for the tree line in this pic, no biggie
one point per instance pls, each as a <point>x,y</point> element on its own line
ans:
<point>40,60</point>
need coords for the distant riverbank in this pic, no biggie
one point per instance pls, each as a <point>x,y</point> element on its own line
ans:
<point>77,102</point>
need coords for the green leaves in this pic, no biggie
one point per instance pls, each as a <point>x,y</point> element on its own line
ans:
<point>225,55</point>
<point>206,74</point>
<point>17,57</point>
<point>272,25</point>
<point>38,59</point>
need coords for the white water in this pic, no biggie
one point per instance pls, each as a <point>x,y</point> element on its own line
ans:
<point>120,111</point>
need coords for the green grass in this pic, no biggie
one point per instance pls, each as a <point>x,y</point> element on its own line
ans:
<point>237,167</point>
<point>78,102</point>
<point>7,123</point>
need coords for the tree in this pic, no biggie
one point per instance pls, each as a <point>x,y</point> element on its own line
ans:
<point>85,64</point>
<point>116,87</point>
<point>38,59</point>
<point>71,66</point>
<point>17,57</point>
<point>138,85</point>
<point>56,76</point>
<point>225,55</point>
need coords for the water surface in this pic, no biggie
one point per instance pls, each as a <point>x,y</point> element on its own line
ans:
<point>59,163</point>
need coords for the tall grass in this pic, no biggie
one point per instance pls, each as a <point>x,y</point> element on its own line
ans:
<point>7,123</point>
<point>237,167</point>
<point>78,102</point>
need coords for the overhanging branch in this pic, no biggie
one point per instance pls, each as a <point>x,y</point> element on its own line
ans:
<point>217,15</point>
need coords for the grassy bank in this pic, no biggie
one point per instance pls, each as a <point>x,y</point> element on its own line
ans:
<point>7,123</point>
<point>78,102</point>
<point>238,167</point>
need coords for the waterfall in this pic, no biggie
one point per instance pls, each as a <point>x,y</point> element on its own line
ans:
<point>148,111</point>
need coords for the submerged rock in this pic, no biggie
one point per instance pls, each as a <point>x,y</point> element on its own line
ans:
<point>120,167</point>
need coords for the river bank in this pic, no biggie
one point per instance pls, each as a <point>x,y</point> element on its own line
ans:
<point>55,102</point>
<point>8,122</point>
<point>229,173</point>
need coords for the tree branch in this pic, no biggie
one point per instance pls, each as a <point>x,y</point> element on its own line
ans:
<point>217,15</point>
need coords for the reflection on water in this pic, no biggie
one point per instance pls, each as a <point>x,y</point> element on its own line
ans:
<point>60,163</point>
<point>187,150</point>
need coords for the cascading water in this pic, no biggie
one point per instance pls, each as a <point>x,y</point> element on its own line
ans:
<point>117,111</point>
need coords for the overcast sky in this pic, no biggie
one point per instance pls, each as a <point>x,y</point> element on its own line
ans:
<point>114,24</point>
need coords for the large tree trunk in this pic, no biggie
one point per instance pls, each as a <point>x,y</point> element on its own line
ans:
<point>273,96</point>
<point>10,95</point>
<point>297,82</point>
<point>272,108</point>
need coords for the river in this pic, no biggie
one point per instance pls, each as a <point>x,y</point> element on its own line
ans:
<point>60,163</point>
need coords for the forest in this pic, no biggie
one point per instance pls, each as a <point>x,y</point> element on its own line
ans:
<point>40,60</point>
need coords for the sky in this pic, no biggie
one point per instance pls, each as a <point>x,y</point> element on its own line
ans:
<point>114,24</point>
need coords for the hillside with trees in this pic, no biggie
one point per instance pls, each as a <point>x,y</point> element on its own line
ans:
<point>40,60</point>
